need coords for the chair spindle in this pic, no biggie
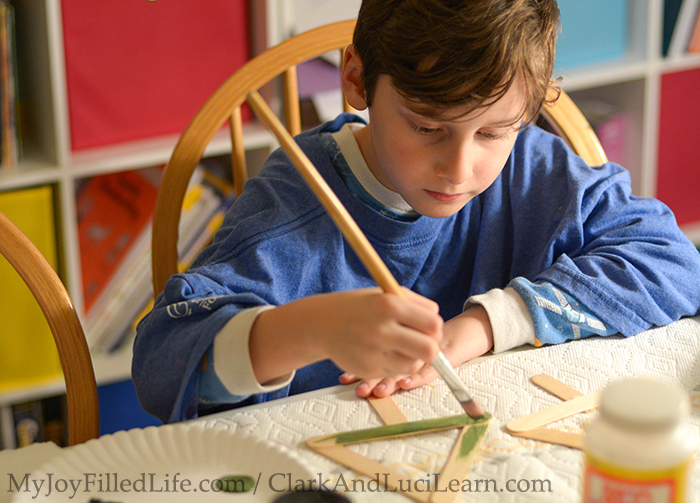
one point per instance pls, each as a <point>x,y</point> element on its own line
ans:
<point>292,112</point>
<point>240,173</point>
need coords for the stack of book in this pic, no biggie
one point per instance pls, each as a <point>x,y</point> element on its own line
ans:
<point>9,137</point>
<point>42,420</point>
<point>115,245</point>
<point>681,28</point>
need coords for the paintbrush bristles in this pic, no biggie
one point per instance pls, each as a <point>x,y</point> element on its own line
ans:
<point>472,408</point>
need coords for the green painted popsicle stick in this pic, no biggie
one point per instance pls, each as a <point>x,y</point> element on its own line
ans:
<point>397,430</point>
<point>459,462</point>
<point>470,439</point>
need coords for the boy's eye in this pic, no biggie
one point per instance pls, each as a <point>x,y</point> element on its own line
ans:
<point>421,129</point>
<point>494,136</point>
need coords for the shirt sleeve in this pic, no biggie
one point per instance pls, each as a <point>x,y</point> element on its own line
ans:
<point>511,323</point>
<point>536,313</point>
<point>580,229</point>
<point>227,374</point>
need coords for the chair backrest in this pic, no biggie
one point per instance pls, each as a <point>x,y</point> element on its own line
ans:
<point>225,105</point>
<point>55,303</point>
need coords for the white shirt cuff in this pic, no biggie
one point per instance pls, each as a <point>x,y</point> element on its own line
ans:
<point>232,357</point>
<point>511,322</point>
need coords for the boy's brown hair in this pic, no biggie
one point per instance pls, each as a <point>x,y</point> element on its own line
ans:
<point>442,54</point>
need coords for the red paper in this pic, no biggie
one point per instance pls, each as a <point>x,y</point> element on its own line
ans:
<point>142,68</point>
<point>678,179</point>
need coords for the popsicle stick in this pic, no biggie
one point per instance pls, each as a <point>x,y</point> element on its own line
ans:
<point>555,387</point>
<point>552,436</point>
<point>554,413</point>
<point>386,476</point>
<point>387,410</point>
<point>396,430</point>
<point>459,462</point>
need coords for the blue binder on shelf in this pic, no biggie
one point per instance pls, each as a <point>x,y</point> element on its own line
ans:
<point>593,31</point>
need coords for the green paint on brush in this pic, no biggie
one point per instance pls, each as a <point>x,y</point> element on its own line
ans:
<point>403,429</point>
<point>471,438</point>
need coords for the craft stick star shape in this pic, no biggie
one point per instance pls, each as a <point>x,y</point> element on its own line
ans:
<point>472,434</point>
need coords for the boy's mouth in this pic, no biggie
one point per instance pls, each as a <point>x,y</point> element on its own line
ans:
<point>442,197</point>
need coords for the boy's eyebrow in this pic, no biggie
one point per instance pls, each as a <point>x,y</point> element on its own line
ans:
<point>507,122</point>
<point>498,123</point>
<point>430,113</point>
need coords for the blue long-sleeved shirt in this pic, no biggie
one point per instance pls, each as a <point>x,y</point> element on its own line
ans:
<point>548,219</point>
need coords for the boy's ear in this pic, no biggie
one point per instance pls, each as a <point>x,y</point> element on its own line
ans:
<point>351,79</point>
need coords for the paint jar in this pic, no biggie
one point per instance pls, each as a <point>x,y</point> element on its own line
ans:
<point>641,446</point>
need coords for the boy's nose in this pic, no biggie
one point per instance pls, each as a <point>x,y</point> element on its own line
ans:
<point>456,166</point>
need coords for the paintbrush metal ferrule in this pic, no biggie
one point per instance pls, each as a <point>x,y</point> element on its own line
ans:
<point>458,388</point>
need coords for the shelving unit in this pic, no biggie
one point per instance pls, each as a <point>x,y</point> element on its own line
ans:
<point>632,84</point>
<point>48,159</point>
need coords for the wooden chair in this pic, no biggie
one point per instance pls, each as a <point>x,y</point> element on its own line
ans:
<point>224,105</point>
<point>51,294</point>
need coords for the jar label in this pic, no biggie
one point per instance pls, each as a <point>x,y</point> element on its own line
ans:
<point>608,483</point>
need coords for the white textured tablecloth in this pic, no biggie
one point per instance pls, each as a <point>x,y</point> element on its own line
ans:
<point>501,384</point>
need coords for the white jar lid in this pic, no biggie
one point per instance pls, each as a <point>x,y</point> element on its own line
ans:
<point>644,403</point>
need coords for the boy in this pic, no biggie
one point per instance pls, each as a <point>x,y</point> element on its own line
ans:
<point>489,223</point>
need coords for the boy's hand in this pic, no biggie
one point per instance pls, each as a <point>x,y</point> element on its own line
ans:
<point>465,337</point>
<point>375,334</point>
<point>366,332</point>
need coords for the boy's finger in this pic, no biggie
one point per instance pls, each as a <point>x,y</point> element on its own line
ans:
<point>377,387</point>
<point>385,388</point>
<point>348,378</point>
<point>424,376</point>
<point>366,388</point>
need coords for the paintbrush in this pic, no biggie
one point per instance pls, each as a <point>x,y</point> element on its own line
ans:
<point>354,235</point>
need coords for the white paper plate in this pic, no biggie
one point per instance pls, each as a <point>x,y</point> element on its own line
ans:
<point>173,463</point>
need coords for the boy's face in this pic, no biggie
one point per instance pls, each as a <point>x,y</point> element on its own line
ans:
<point>438,166</point>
